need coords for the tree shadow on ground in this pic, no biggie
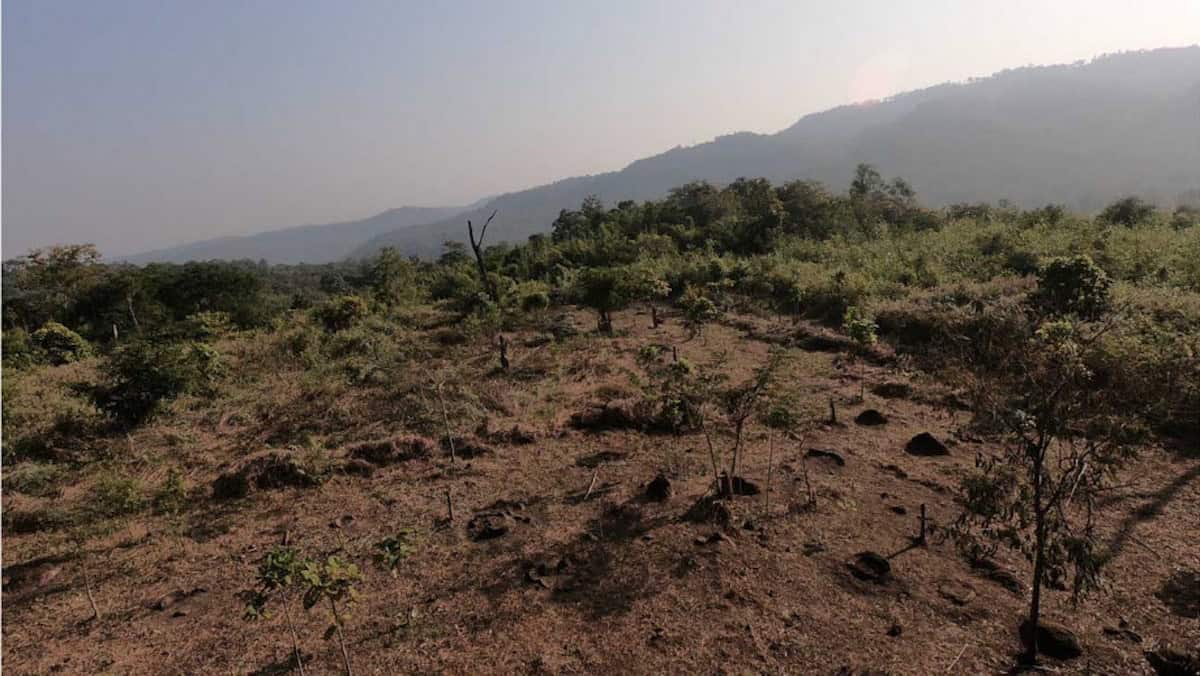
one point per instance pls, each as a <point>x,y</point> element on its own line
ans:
<point>1148,512</point>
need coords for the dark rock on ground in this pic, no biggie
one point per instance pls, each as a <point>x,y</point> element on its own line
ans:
<point>925,444</point>
<point>709,509</point>
<point>468,448</point>
<point>1123,632</point>
<point>871,418</point>
<point>899,509</point>
<point>659,489</point>
<point>825,456</point>
<point>596,459</point>
<point>892,390</point>
<point>740,486</point>
<point>1168,661</point>
<point>1053,640</point>
<point>895,630</point>
<point>267,471</point>
<point>173,598</point>
<point>895,471</point>
<point>870,567</point>
<point>958,593</point>
<point>393,450</point>
<point>358,467</point>
<point>488,526</point>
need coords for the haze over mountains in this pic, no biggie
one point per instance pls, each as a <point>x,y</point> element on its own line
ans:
<point>1081,134</point>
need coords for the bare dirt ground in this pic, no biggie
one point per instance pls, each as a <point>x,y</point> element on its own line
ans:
<point>606,582</point>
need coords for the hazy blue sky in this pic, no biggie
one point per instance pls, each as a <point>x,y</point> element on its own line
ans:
<point>137,124</point>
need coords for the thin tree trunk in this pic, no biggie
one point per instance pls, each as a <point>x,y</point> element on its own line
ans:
<point>712,453</point>
<point>770,466</point>
<point>87,586</point>
<point>337,624</point>
<point>287,612</point>
<point>132,315</point>
<point>1039,558</point>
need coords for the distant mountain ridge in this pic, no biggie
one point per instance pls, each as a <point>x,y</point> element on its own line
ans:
<point>1081,134</point>
<point>301,244</point>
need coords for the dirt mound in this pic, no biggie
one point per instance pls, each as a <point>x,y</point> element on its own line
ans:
<point>268,471</point>
<point>710,509</point>
<point>870,567</point>
<point>618,414</point>
<point>659,489</point>
<point>517,435</point>
<point>825,457</point>
<point>925,444</point>
<point>468,447</point>
<point>870,418</point>
<point>393,450</point>
<point>1168,661</point>
<point>1053,640</point>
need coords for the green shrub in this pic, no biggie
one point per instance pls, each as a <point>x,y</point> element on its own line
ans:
<point>1128,211</point>
<point>1075,286</point>
<point>115,495</point>
<point>341,312</point>
<point>59,344</point>
<point>142,376</point>
<point>19,351</point>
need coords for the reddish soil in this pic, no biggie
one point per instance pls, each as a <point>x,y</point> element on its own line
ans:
<point>621,584</point>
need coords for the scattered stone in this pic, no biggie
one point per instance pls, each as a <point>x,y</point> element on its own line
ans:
<point>870,567</point>
<point>342,521</point>
<point>1123,632</point>
<point>1168,661</point>
<point>710,509</point>
<point>895,471</point>
<point>925,444</point>
<point>958,593</point>
<point>175,597</point>
<point>899,509</point>
<point>1053,640</point>
<point>825,456</point>
<point>544,568</point>
<point>741,486</point>
<point>715,538</point>
<point>893,390</point>
<point>659,489</point>
<point>895,630</point>
<point>870,418</point>
<point>990,570</point>
<point>1181,593</point>
<point>391,451</point>
<point>467,448</point>
<point>813,547</point>
<point>269,470</point>
<point>358,467</point>
<point>596,459</point>
<point>618,414</point>
<point>487,526</point>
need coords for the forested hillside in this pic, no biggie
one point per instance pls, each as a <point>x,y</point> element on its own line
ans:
<point>1080,135</point>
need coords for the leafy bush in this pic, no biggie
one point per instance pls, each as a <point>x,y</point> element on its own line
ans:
<point>341,312</point>
<point>59,344</point>
<point>1128,211</point>
<point>1075,286</point>
<point>144,375</point>
<point>115,495</point>
<point>19,351</point>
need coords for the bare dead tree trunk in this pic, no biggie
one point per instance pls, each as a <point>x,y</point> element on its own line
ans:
<point>87,586</point>
<point>502,344</point>
<point>449,506</point>
<point>477,248</point>
<point>654,321</point>
<point>132,314</point>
